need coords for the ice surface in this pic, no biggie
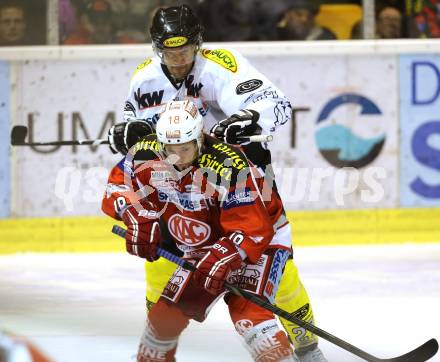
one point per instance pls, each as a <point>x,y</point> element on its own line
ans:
<point>90,307</point>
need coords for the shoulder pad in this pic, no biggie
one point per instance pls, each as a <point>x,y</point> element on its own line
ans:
<point>222,57</point>
<point>225,160</point>
<point>141,66</point>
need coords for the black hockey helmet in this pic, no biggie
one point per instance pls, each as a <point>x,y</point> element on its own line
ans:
<point>175,26</point>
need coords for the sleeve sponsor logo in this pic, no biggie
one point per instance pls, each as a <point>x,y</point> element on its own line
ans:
<point>239,197</point>
<point>188,231</point>
<point>221,57</point>
<point>175,41</point>
<point>248,86</point>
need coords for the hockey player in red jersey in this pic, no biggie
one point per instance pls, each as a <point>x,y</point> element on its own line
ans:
<point>236,101</point>
<point>221,216</point>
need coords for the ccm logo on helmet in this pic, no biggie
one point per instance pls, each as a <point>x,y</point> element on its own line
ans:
<point>248,86</point>
<point>188,231</point>
<point>175,41</point>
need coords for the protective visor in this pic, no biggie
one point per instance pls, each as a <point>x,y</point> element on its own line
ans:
<point>177,56</point>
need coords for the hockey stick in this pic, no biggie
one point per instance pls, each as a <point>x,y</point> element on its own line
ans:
<point>19,134</point>
<point>420,354</point>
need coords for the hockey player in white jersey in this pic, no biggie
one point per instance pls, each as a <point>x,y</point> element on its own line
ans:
<point>226,87</point>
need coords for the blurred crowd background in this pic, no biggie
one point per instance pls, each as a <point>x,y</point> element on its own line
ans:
<point>29,22</point>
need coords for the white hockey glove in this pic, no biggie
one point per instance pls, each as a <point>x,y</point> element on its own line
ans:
<point>237,128</point>
<point>122,136</point>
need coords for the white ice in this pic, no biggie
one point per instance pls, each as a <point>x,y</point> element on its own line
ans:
<point>90,307</point>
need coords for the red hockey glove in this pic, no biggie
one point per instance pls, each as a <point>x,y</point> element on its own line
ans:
<point>215,267</point>
<point>143,232</point>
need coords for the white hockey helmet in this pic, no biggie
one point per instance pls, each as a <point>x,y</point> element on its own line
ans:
<point>179,122</point>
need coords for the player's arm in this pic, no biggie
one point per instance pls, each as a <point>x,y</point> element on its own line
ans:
<point>253,104</point>
<point>247,233</point>
<point>124,201</point>
<point>118,193</point>
<point>136,123</point>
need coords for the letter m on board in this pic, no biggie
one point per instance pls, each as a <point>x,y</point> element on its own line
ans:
<point>148,99</point>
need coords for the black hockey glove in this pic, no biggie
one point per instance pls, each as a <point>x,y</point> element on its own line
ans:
<point>122,136</point>
<point>238,127</point>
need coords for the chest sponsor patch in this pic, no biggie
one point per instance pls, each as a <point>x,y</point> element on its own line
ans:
<point>239,197</point>
<point>188,231</point>
<point>183,200</point>
<point>221,57</point>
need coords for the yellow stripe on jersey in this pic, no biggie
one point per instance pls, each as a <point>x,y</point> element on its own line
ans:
<point>310,228</point>
<point>221,57</point>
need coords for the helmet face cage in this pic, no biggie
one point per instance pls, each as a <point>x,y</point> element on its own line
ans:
<point>174,27</point>
<point>180,122</point>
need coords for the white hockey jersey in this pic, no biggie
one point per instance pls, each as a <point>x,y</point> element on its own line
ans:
<point>220,83</point>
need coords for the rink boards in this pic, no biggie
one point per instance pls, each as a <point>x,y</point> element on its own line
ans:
<point>358,165</point>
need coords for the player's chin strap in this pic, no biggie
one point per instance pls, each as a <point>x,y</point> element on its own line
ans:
<point>420,354</point>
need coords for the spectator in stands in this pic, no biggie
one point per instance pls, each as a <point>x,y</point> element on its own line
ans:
<point>13,24</point>
<point>95,26</point>
<point>297,22</point>
<point>426,17</point>
<point>389,23</point>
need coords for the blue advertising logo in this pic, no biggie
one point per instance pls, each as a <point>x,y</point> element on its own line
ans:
<point>427,156</point>
<point>420,130</point>
<point>338,144</point>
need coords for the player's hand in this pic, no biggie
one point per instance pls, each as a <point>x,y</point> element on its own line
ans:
<point>216,266</point>
<point>122,136</point>
<point>236,128</point>
<point>143,231</point>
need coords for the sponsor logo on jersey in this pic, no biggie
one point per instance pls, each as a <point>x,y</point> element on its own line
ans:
<point>148,100</point>
<point>249,278</point>
<point>209,161</point>
<point>276,270</point>
<point>238,197</point>
<point>182,200</point>
<point>193,89</point>
<point>248,86</point>
<point>188,231</point>
<point>237,161</point>
<point>160,175</point>
<point>221,57</point>
<point>243,325</point>
<point>175,41</point>
<point>145,145</point>
<point>141,66</point>
<point>175,285</point>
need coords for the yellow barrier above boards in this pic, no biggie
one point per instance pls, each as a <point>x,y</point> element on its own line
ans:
<point>310,228</point>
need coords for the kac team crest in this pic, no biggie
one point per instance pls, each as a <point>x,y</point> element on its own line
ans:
<point>188,231</point>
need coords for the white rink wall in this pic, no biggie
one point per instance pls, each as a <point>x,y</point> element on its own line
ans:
<point>370,105</point>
